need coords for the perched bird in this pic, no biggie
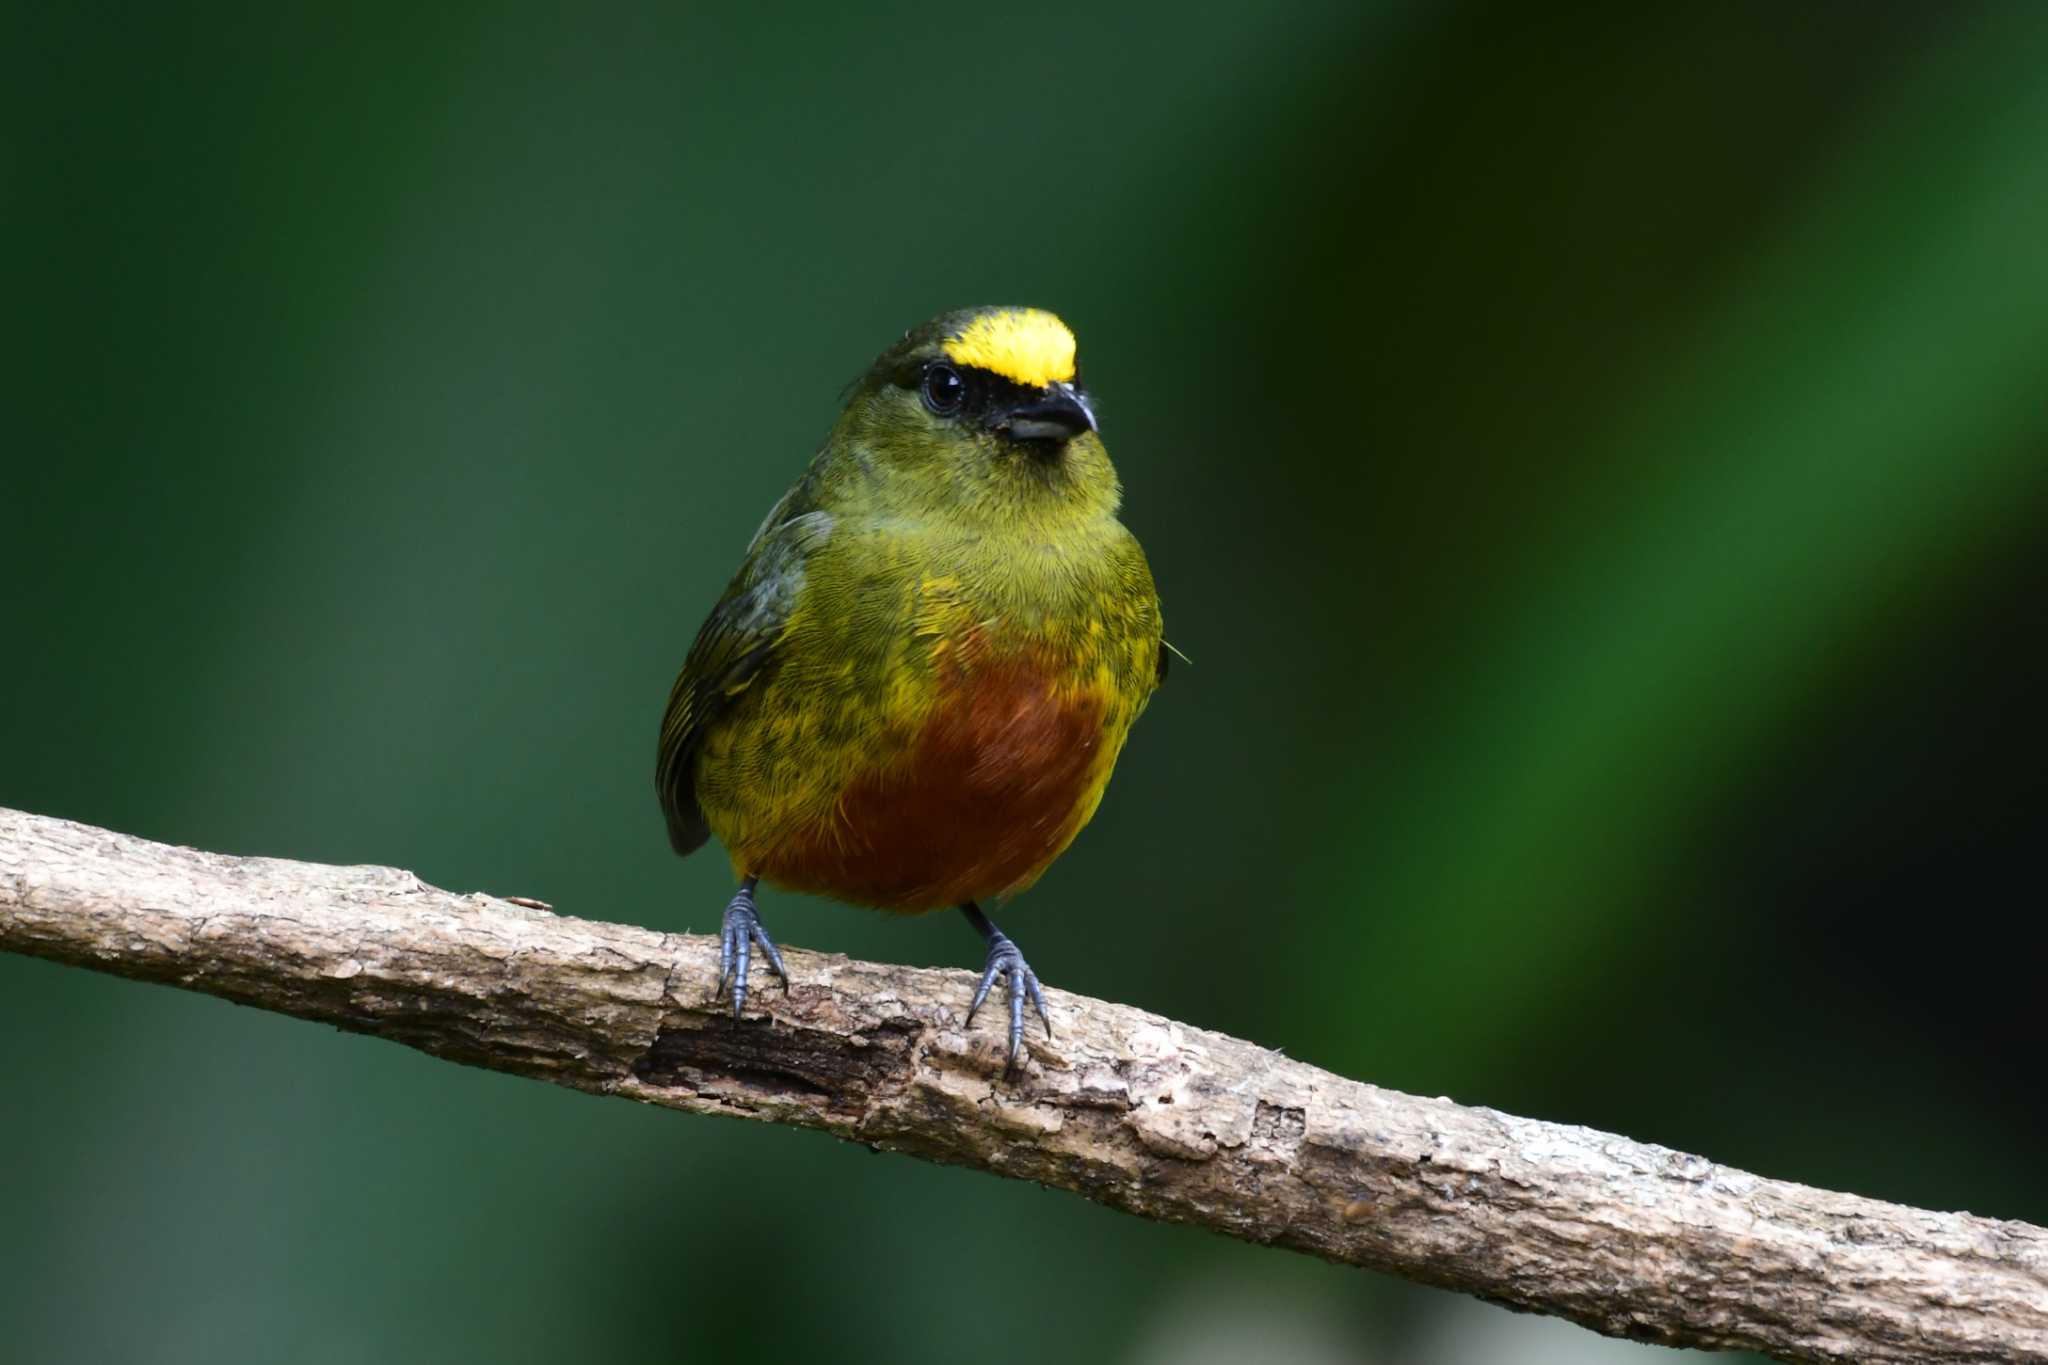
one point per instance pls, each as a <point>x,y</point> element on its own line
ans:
<point>911,694</point>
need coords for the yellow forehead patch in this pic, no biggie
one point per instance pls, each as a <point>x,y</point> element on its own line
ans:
<point>1023,345</point>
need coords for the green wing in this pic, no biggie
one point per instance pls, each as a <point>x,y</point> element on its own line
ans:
<point>737,640</point>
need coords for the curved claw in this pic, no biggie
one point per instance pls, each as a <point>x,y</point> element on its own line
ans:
<point>1021,982</point>
<point>737,935</point>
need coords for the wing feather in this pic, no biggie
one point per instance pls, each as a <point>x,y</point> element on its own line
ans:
<point>736,642</point>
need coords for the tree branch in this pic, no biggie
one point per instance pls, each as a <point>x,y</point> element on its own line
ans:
<point>1129,1109</point>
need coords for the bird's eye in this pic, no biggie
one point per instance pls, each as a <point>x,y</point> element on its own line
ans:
<point>944,390</point>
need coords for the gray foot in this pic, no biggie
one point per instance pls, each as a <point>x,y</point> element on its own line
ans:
<point>737,937</point>
<point>1006,962</point>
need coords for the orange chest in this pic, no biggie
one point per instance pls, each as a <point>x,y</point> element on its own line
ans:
<point>1009,737</point>
<point>1004,770</point>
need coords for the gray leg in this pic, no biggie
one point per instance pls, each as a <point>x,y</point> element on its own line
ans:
<point>740,932</point>
<point>1005,961</point>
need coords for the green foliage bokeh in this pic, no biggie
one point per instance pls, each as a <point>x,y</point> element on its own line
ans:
<point>1595,462</point>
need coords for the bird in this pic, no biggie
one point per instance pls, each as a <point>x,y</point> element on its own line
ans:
<point>913,691</point>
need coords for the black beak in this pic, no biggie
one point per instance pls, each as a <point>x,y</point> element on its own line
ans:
<point>1056,413</point>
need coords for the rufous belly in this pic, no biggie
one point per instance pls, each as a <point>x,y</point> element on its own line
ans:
<point>994,786</point>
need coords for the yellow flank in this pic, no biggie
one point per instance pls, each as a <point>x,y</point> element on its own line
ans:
<point>1024,345</point>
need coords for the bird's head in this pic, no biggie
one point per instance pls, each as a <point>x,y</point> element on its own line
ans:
<point>980,414</point>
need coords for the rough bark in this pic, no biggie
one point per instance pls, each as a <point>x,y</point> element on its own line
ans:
<point>1135,1111</point>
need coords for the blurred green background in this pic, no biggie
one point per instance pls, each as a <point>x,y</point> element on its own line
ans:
<point>1596,460</point>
